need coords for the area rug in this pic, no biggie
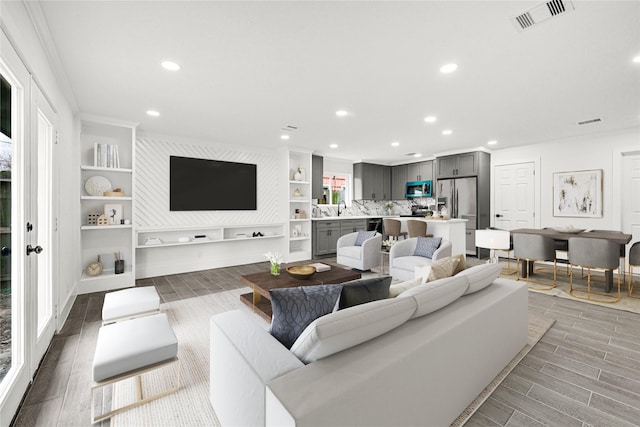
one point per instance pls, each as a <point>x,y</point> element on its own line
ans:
<point>597,283</point>
<point>190,405</point>
<point>538,326</point>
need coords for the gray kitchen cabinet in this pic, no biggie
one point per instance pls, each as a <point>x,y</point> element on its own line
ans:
<point>352,225</point>
<point>398,182</point>
<point>317,173</point>
<point>421,171</point>
<point>458,165</point>
<point>371,182</point>
<point>325,237</point>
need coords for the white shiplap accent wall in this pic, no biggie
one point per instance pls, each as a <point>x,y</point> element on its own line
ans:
<point>152,185</point>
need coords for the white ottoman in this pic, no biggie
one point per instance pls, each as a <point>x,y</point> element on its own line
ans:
<point>130,303</point>
<point>130,348</point>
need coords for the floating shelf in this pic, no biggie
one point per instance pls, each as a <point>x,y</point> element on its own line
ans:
<point>102,169</point>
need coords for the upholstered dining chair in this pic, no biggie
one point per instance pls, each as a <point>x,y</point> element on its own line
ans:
<point>532,248</point>
<point>598,254</point>
<point>391,228</point>
<point>623,250</point>
<point>634,262</point>
<point>416,228</point>
<point>562,251</point>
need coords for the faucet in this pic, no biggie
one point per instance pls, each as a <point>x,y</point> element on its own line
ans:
<point>345,206</point>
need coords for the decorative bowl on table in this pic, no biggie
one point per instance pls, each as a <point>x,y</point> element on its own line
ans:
<point>301,271</point>
<point>569,229</point>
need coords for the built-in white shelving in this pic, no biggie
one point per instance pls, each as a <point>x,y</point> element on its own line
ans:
<point>298,203</point>
<point>179,236</point>
<point>107,239</point>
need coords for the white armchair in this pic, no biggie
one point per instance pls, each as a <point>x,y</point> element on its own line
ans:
<point>363,257</point>
<point>402,261</point>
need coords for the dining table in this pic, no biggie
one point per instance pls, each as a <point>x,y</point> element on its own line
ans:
<point>561,235</point>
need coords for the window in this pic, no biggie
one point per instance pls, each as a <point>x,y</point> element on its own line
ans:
<point>335,189</point>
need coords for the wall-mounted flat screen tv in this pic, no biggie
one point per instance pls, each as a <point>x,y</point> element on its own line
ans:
<point>211,185</point>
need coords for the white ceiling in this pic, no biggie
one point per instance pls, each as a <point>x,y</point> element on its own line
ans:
<point>251,68</point>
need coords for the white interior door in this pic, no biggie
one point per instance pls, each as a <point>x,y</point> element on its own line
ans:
<point>42,148</point>
<point>631,195</point>
<point>514,196</point>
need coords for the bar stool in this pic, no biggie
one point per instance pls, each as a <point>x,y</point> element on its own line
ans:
<point>634,262</point>
<point>534,248</point>
<point>392,228</point>
<point>596,254</point>
<point>417,228</point>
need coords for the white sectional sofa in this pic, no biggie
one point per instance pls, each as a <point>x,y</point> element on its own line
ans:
<point>388,362</point>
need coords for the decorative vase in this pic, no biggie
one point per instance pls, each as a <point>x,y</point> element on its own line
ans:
<point>297,176</point>
<point>275,269</point>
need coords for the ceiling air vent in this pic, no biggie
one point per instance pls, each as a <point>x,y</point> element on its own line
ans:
<point>541,13</point>
<point>289,127</point>
<point>586,122</point>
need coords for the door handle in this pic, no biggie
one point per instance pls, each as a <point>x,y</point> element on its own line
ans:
<point>499,215</point>
<point>37,249</point>
<point>6,251</point>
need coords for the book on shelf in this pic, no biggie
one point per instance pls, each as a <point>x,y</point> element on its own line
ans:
<point>106,155</point>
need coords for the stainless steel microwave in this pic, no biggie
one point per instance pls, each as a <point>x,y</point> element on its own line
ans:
<point>419,189</point>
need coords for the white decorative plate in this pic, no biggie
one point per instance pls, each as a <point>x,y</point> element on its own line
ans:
<point>570,230</point>
<point>97,185</point>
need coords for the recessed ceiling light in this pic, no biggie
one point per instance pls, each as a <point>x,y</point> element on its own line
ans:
<point>417,155</point>
<point>333,145</point>
<point>448,68</point>
<point>395,143</point>
<point>170,65</point>
<point>492,142</point>
<point>342,113</point>
<point>153,113</point>
<point>636,59</point>
<point>430,119</point>
<point>285,137</point>
<point>447,132</point>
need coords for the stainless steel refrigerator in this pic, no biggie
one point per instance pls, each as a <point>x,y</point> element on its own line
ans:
<point>460,197</point>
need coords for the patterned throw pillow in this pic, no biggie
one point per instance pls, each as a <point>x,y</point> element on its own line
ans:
<point>362,291</point>
<point>362,236</point>
<point>442,268</point>
<point>462,264</point>
<point>398,288</point>
<point>295,308</point>
<point>426,246</point>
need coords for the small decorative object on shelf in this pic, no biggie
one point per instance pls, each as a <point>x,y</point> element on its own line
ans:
<point>106,155</point>
<point>297,193</point>
<point>97,185</point>
<point>102,220</point>
<point>116,192</point>
<point>94,269</point>
<point>92,218</point>
<point>299,174</point>
<point>119,263</point>
<point>113,211</point>
<point>275,258</point>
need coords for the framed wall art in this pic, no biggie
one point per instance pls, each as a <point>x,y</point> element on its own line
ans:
<point>577,194</point>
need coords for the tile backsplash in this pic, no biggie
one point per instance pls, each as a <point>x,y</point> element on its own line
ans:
<point>364,208</point>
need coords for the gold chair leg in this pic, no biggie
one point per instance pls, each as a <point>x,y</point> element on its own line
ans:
<point>609,299</point>
<point>630,285</point>
<point>541,285</point>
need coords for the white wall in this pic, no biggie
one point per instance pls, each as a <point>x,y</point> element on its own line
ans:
<point>152,207</point>
<point>17,24</point>
<point>334,165</point>
<point>602,151</point>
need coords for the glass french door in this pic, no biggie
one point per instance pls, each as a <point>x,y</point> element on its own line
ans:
<point>27,315</point>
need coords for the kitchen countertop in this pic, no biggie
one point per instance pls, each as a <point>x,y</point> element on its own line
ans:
<point>334,218</point>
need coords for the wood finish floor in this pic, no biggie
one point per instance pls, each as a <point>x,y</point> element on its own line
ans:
<point>584,372</point>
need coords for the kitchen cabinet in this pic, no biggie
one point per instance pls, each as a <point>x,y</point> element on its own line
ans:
<point>398,182</point>
<point>325,237</point>
<point>421,171</point>
<point>371,182</point>
<point>317,174</point>
<point>458,165</point>
<point>352,225</point>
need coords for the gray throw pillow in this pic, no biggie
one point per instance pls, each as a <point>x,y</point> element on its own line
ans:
<point>426,246</point>
<point>364,235</point>
<point>295,308</point>
<point>364,290</point>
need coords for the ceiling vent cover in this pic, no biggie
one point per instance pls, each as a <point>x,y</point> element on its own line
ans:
<point>541,13</point>
<point>586,122</point>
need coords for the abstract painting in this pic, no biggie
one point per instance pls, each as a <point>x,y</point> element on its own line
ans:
<point>577,194</point>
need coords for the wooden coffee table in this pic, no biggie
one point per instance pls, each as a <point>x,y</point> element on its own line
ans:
<point>262,283</point>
